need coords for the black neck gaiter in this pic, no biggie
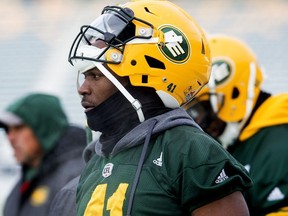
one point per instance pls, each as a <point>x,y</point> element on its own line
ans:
<point>115,117</point>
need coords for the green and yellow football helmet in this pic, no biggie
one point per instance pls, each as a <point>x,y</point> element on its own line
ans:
<point>153,42</point>
<point>233,87</point>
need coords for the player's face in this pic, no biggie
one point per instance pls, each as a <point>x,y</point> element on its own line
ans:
<point>96,88</point>
<point>204,115</point>
<point>27,149</point>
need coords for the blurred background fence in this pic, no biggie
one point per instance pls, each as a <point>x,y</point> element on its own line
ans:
<point>36,36</point>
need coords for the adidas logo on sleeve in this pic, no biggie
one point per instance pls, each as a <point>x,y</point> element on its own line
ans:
<point>275,195</point>
<point>222,177</point>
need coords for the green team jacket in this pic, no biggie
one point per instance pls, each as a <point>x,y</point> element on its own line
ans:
<point>183,169</point>
<point>263,150</point>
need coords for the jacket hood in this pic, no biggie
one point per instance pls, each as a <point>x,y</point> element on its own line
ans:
<point>137,135</point>
<point>89,151</point>
<point>43,113</point>
<point>70,145</point>
<point>272,112</point>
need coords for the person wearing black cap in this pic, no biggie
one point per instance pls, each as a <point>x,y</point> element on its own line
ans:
<point>46,146</point>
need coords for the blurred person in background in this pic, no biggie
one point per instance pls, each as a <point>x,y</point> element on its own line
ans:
<point>250,123</point>
<point>64,202</point>
<point>46,146</point>
<point>139,65</point>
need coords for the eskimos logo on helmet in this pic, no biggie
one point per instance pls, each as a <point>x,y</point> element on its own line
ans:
<point>177,51</point>
<point>222,71</point>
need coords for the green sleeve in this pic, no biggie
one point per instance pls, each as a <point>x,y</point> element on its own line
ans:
<point>202,170</point>
<point>266,155</point>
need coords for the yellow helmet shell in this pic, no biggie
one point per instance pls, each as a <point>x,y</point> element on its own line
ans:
<point>231,81</point>
<point>176,71</point>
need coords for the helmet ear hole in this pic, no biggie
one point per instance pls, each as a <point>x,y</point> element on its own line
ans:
<point>235,93</point>
<point>144,79</point>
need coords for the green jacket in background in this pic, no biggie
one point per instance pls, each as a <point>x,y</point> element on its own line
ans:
<point>263,150</point>
<point>44,114</point>
<point>63,145</point>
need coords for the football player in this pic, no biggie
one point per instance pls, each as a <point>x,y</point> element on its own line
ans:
<point>251,123</point>
<point>140,62</point>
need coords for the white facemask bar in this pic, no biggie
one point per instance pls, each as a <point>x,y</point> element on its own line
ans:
<point>213,96</point>
<point>134,102</point>
<point>250,98</point>
<point>168,39</point>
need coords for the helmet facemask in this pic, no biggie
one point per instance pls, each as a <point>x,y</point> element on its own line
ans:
<point>107,34</point>
<point>204,115</point>
<point>115,29</point>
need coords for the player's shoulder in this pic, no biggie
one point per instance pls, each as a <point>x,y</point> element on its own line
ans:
<point>188,132</point>
<point>188,146</point>
<point>188,137</point>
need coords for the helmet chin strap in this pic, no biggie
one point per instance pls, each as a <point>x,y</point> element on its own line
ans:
<point>134,102</point>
